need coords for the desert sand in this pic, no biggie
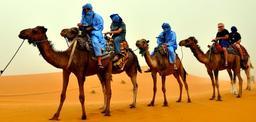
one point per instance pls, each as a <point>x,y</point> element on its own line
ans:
<point>34,98</point>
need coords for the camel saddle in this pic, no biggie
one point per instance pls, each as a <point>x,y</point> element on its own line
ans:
<point>232,49</point>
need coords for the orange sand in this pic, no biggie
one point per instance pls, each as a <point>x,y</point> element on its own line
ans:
<point>34,98</point>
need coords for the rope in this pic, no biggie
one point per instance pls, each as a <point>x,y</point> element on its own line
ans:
<point>182,55</point>
<point>72,53</point>
<point>67,42</point>
<point>2,71</point>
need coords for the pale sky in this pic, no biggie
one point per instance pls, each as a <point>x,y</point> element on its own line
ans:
<point>143,18</point>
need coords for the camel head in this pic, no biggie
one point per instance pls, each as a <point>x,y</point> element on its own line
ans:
<point>188,42</point>
<point>70,33</point>
<point>34,35</point>
<point>142,44</point>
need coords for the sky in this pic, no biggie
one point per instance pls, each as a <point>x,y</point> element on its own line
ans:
<point>143,19</point>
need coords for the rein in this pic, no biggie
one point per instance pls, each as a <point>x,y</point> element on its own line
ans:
<point>2,71</point>
<point>72,53</point>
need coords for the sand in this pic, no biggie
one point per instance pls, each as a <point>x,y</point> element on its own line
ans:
<point>34,98</point>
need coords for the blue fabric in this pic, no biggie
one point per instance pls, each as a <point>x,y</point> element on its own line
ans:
<point>96,21</point>
<point>116,18</point>
<point>168,37</point>
<point>117,41</point>
<point>224,43</point>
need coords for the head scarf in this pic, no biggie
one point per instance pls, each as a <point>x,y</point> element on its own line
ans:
<point>233,29</point>
<point>116,18</point>
<point>166,27</point>
<point>87,6</point>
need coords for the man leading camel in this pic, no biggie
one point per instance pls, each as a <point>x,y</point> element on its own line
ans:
<point>92,24</point>
<point>223,38</point>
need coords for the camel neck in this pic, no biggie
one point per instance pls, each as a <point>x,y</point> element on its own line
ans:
<point>149,60</point>
<point>57,59</point>
<point>199,54</point>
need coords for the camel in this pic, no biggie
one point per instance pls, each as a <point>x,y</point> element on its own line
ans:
<point>82,65</point>
<point>131,67</point>
<point>215,63</point>
<point>159,63</point>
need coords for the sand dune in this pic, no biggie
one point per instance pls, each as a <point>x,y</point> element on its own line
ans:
<point>35,98</point>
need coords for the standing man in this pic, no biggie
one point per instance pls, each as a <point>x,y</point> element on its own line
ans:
<point>118,30</point>
<point>223,38</point>
<point>92,24</point>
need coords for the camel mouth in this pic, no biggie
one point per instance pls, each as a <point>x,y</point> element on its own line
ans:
<point>182,43</point>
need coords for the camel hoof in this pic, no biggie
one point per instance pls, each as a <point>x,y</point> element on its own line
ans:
<point>219,99</point>
<point>212,98</point>
<point>189,100</point>
<point>102,108</point>
<point>151,104</point>
<point>248,88</point>
<point>132,106</point>
<point>107,114</point>
<point>165,104</point>
<point>55,117</point>
<point>84,117</point>
<point>178,101</point>
<point>238,96</point>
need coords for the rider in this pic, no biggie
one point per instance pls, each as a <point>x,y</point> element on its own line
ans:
<point>118,30</point>
<point>223,38</point>
<point>92,23</point>
<point>235,39</point>
<point>167,38</point>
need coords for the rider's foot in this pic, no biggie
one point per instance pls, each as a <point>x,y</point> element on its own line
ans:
<point>115,58</point>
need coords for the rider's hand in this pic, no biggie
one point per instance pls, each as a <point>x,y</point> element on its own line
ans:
<point>79,24</point>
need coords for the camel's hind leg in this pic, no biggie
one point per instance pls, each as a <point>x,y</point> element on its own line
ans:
<point>248,76</point>
<point>81,80</point>
<point>184,79</point>
<point>176,75</point>
<point>164,91</point>
<point>135,90</point>
<point>103,86</point>
<point>63,94</point>
<point>233,82</point>
<point>152,103</point>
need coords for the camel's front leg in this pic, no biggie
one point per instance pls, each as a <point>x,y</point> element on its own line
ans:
<point>152,103</point>
<point>63,94</point>
<point>103,86</point>
<point>216,74</point>
<point>108,94</point>
<point>164,91</point>
<point>176,75</point>
<point>213,84</point>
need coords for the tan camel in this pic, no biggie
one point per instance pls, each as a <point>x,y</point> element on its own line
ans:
<point>131,67</point>
<point>159,63</point>
<point>82,65</point>
<point>215,63</point>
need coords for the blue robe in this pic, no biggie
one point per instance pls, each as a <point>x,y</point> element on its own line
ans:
<point>169,38</point>
<point>96,21</point>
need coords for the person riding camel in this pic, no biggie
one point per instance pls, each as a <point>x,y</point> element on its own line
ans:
<point>118,32</point>
<point>235,39</point>
<point>223,38</point>
<point>167,38</point>
<point>92,24</point>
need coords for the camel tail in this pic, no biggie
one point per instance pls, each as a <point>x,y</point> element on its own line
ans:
<point>136,60</point>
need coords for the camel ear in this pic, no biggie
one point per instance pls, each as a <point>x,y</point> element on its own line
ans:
<point>43,29</point>
<point>147,41</point>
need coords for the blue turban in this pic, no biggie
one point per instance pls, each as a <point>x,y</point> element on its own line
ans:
<point>233,29</point>
<point>116,18</point>
<point>87,6</point>
<point>166,27</point>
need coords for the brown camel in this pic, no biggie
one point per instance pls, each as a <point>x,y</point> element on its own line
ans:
<point>82,65</point>
<point>159,63</point>
<point>215,63</point>
<point>131,67</point>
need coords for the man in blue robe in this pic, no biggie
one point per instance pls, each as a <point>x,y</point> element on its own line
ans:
<point>92,23</point>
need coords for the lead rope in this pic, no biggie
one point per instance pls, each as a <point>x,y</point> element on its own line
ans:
<point>72,53</point>
<point>182,54</point>
<point>2,71</point>
<point>67,42</point>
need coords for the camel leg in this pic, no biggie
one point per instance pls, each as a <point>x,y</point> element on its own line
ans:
<point>186,86</point>
<point>108,94</point>
<point>103,91</point>
<point>216,74</point>
<point>213,84</point>
<point>135,90</point>
<point>233,81</point>
<point>240,84</point>
<point>63,94</point>
<point>152,103</point>
<point>176,75</point>
<point>164,90</point>
<point>81,80</point>
<point>248,76</point>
